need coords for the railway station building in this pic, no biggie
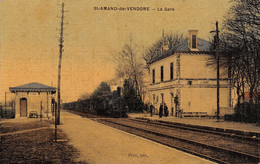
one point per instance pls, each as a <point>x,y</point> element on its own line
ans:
<point>183,72</point>
<point>33,98</point>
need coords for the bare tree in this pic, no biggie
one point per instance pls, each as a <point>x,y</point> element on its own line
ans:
<point>240,46</point>
<point>130,65</point>
<point>155,49</point>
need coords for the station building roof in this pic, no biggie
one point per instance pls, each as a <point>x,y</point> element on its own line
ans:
<point>183,47</point>
<point>33,87</point>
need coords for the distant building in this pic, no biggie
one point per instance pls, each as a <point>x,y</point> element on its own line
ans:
<point>183,72</point>
<point>31,97</point>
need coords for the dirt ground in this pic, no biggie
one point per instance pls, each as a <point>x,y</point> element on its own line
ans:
<point>12,126</point>
<point>36,146</point>
<point>101,144</point>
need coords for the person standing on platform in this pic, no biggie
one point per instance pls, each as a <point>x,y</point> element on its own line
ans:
<point>151,110</point>
<point>176,102</point>
<point>161,110</point>
<point>166,112</point>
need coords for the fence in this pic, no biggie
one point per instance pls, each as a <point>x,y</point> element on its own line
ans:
<point>7,112</point>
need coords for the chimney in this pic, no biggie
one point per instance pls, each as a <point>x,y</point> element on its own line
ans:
<point>193,40</point>
<point>164,48</point>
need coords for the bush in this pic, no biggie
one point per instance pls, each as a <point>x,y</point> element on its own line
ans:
<point>247,113</point>
<point>7,113</point>
<point>228,117</point>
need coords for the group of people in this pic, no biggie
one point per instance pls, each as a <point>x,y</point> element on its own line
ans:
<point>163,109</point>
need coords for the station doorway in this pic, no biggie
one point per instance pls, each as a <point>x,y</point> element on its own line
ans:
<point>23,107</point>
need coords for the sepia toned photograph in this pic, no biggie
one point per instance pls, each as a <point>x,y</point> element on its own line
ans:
<point>130,81</point>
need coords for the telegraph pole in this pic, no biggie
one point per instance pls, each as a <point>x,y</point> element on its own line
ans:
<point>60,57</point>
<point>216,40</point>
<point>217,56</point>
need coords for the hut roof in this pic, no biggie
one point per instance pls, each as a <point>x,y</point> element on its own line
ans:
<point>33,87</point>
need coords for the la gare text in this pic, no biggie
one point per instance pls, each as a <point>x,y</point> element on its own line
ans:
<point>133,9</point>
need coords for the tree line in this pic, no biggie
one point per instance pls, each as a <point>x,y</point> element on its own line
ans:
<point>240,47</point>
<point>239,52</point>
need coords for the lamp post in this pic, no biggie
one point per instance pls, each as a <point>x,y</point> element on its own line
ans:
<point>217,57</point>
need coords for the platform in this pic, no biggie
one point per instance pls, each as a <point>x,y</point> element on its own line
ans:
<point>204,121</point>
<point>99,143</point>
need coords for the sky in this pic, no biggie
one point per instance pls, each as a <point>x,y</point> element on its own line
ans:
<point>29,33</point>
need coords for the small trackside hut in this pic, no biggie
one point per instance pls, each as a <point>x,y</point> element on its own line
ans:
<point>33,98</point>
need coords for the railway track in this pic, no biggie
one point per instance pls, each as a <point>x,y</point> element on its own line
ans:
<point>218,145</point>
<point>220,148</point>
<point>250,136</point>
